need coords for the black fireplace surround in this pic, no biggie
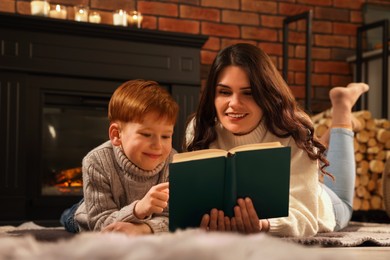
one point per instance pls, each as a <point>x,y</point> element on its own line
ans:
<point>56,77</point>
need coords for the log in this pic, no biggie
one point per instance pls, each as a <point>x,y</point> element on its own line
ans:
<point>376,202</point>
<point>327,113</point>
<point>370,124</point>
<point>365,114</point>
<point>363,136</point>
<point>376,166</point>
<point>357,203</point>
<point>383,135</point>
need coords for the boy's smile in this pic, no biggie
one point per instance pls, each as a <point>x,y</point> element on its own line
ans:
<point>149,143</point>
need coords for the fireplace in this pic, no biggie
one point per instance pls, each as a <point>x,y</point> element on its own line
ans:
<point>72,124</point>
<point>56,78</point>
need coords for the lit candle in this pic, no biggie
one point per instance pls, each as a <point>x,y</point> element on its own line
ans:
<point>59,12</point>
<point>40,8</point>
<point>119,18</point>
<point>81,13</point>
<point>135,19</point>
<point>94,17</point>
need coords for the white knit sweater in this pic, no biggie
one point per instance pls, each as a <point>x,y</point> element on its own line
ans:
<point>311,209</point>
<point>112,186</point>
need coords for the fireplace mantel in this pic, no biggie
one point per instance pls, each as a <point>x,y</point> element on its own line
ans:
<point>39,55</point>
<point>32,43</point>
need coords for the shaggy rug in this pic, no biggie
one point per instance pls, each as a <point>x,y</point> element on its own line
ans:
<point>355,234</point>
<point>188,244</point>
<point>31,241</point>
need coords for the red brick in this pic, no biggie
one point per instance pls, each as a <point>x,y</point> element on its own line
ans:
<point>106,16</point>
<point>220,30</point>
<point>349,4</point>
<point>331,40</point>
<point>335,67</point>
<point>241,18</point>
<point>296,65</point>
<point>271,48</point>
<point>228,42</point>
<point>230,4</point>
<point>265,7</point>
<point>356,17</point>
<point>156,8</point>
<point>344,29</point>
<point>298,91</point>
<point>272,21</point>
<point>290,77</point>
<point>320,79</point>
<point>207,57</point>
<point>213,43</point>
<point>331,14</point>
<point>321,53</point>
<point>322,27</point>
<point>149,22</point>
<point>338,80</point>
<point>7,6</point>
<point>316,2</point>
<point>178,25</point>
<point>292,9</point>
<point>300,78</point>
<point>127,5</point>
<point>199,13</point>
<point>300,51</point>
<point>257,33</point>
<point>297,37</point>
<point>316,53</point>
<point>23,7</point>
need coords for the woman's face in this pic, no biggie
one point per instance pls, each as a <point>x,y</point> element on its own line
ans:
<point>236,109</point>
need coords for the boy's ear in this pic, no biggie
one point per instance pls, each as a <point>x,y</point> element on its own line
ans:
<point>113,132</point>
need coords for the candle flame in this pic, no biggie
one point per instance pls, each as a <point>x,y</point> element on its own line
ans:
<point>58,8</point>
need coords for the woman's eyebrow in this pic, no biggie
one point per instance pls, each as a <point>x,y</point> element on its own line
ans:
<point>222,85</point>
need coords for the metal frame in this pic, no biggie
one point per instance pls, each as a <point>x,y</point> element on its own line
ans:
<point>385,62</point>
<point>308,16</point>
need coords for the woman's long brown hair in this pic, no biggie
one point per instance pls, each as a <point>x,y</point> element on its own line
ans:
<point>281,114</point>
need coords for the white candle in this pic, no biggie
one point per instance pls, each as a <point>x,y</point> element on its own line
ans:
<point>119,18</point>
<point>81,14</point>
<point>94,17</point>
<point>40,8</point>
<point>59,12</point>
<point>135,19</point>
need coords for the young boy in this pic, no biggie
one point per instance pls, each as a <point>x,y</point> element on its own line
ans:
<point>126,178</point>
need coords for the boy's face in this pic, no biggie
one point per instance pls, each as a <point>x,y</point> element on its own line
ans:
<point>149,143</point>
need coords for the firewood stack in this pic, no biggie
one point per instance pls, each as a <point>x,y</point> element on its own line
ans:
<point>372,148</point>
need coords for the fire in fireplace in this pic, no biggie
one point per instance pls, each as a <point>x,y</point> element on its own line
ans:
<point>72,124</point>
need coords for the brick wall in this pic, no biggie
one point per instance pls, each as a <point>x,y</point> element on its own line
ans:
<point>258,22</point>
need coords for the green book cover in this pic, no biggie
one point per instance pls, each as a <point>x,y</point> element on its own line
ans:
<point>211,178</point>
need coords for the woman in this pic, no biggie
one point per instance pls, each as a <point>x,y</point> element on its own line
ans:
<point>247,101</point>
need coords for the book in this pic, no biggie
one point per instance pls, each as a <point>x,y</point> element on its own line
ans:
<point>212,178</point>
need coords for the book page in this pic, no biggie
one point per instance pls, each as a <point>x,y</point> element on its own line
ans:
<point>249,147</point>
<point>196,155</point>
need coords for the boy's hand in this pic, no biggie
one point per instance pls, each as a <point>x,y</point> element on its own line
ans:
<point>153,202</point>
<point>128,228</point>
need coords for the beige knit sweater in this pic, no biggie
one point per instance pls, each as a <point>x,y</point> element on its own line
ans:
<point>112,186</point>
<point>311,209</point>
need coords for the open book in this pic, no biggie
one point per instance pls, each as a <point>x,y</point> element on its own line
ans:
<point>214,178</point>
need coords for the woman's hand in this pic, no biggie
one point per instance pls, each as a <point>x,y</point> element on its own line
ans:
<point>128,228</point>
<point>245,219</point>
<point>155,201</point>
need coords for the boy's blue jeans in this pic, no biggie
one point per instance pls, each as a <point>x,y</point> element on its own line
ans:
<point>67,218</point>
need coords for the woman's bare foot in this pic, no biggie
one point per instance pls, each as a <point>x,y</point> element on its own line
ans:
<point>343,99</point>
<point>346,97</point>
